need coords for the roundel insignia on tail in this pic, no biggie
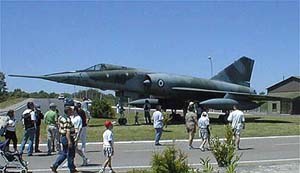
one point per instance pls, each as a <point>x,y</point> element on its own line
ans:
<point>160,83</point>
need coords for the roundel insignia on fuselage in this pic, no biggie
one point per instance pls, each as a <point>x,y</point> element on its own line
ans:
<point>160,83</point>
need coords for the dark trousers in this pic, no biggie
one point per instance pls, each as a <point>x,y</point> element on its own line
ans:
<point>11,136</point>
<point>37,138</point>
<point>68,152</point>
<point>147,117</point>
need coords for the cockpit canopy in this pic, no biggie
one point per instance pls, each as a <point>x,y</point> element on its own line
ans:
<point>106,67</point>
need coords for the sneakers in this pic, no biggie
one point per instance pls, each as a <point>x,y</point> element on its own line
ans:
<point>101,170</point>
<point>202,149</point>
<point>38,151</point>
<point>111,171</point>
<point>53,169</point>
<point>191,147</point>
<point>85,161</point>
<point>74,171</point>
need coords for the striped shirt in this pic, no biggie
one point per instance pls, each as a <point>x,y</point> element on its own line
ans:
<point>66,125</point>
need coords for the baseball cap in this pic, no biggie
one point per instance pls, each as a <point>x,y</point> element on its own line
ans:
<point>52,105</point>
<point>107,124</point>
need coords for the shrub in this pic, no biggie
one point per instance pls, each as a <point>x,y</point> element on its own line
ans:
<point>167,119</point>
<point>170,161</point>
<point>207,167</point>
<point>102,109</point>
<point>224,151</point>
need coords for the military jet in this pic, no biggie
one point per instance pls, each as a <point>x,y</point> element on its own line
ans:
<point>229,87</point>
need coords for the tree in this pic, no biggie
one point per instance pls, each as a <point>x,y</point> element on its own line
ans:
<point>102,109</point>
<point>18,93</point>
<point>3,89</point>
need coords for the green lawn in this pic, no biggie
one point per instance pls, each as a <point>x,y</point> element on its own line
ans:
<point>255,126</point>
<point>11,101</point>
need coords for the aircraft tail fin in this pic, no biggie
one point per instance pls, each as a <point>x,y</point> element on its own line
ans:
<point>238,72</point>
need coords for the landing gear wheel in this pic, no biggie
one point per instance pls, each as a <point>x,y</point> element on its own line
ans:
<point>122,121</point>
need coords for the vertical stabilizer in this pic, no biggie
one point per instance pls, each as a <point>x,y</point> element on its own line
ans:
<point>238,72</point>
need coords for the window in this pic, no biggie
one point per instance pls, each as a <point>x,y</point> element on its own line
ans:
<point>274,106</point>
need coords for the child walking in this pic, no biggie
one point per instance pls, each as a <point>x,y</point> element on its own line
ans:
<point>108,146</point>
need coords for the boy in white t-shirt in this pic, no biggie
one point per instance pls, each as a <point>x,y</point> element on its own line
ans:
<point>108,146</point>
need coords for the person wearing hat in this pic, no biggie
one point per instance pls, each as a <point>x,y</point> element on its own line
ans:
<point>203,125</point>
<point>10,133</point>
<point>39,116</point>
<point>52,129</point>
<point>191,123</point>
<point>67,132</point>
<point>108,146</point>
<point>29,120</point>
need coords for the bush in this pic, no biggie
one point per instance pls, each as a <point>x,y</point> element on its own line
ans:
<point>170,161</point>
<point>224,151</point>
<point>167,119</point>
<point>102,109</point>
<point>207,167</point>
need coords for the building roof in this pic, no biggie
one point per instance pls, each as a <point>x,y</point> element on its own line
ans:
<point>292,78</point>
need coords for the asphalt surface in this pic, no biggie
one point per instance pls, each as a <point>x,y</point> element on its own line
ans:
<point>276,154</point>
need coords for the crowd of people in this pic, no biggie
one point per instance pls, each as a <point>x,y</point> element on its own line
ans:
<point>65,130</point>
<point>236,118</point>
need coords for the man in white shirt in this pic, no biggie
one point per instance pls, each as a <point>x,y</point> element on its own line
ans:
<point>237,119</point>
<point>158,124</point>
<point>77,122</point>
<point>203,124</point>
<point>108,146</point>
<point>29,119</point>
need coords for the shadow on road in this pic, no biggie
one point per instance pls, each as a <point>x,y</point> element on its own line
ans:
<point>244,149</point>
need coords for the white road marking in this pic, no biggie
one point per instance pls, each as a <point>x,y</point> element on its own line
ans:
<point>288,144</point>
<point>148,166</point>
<point>180,140</point>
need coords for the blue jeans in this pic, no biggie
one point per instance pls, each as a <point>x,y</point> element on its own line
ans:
<point>28,133</point>
<point>158,133</point>
<point>66,153</point>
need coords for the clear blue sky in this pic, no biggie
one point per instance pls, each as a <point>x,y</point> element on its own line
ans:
<point>176,37</point>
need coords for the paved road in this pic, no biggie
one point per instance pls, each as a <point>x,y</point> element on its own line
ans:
<point>129,155</point>
<point>44,103</point>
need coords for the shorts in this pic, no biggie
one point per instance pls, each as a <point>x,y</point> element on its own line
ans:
<point>108,152</point>
<point>191,129</point>
<point>236,131</point>
<point>203,133</point>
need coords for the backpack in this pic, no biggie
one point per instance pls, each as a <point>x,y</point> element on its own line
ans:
<point>28,123</point>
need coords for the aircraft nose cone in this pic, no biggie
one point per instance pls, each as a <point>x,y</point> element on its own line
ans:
<point>62,77</point>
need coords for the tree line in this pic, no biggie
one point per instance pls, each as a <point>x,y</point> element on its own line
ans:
<point>18,93</point>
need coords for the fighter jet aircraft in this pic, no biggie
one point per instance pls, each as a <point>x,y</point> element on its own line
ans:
<point>229,87</point>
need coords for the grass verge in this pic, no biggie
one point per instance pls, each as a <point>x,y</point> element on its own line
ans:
<point>10,102</point>
<point>256,126</point>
